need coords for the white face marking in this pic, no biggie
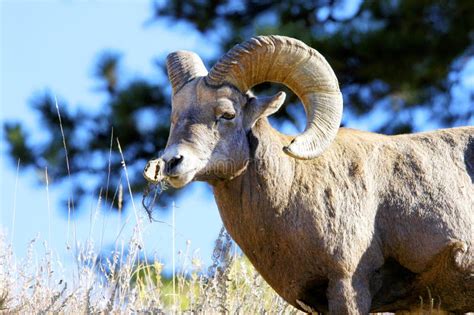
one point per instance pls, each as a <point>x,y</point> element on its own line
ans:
<point>154,171</point>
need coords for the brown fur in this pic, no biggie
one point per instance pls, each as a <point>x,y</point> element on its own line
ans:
<point>368,200</point>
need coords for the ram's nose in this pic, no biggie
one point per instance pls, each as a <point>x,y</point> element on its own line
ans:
<point>173,163</point>
<point>153,171</point>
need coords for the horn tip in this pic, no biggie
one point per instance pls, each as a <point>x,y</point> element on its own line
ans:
<point>281,95</point>
<point>294,150</point>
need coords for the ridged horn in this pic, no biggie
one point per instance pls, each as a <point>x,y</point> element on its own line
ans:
<point>183,66</point>
<point>291,62</point>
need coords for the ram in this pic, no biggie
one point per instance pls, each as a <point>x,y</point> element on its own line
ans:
<point>336,220</point>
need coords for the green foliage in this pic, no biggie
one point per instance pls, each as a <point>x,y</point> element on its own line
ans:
<point>401,56</point>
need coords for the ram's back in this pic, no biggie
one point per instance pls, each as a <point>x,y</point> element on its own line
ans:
<point>412,161</point>
<point>432,167</point>
<point>454,147</point>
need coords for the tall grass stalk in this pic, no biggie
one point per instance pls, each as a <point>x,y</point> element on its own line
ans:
<point>173,248</point>
<point>14,200</point>
<point>135,211</point>
<point>48,202</point>
<point>70,203</point>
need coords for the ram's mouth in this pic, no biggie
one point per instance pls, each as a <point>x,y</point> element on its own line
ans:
<point>155,172</point>
<point>180,180</point>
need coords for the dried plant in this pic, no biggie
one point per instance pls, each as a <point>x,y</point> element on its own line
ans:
<point>123,283</point>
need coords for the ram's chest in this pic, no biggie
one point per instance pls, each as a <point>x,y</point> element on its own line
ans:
<point>254,218</point>
<point>281,249</point>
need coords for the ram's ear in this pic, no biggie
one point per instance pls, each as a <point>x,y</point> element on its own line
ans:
<point>257,108</point>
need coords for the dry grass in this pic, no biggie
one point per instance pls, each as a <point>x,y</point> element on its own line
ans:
<point>123,283</point>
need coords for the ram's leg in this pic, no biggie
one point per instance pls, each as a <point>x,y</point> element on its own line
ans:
<point>348,295</point>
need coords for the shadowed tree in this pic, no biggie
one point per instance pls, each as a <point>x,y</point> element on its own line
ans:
<point>398,63</point>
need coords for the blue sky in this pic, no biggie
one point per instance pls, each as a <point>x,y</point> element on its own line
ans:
<point>53,45</point>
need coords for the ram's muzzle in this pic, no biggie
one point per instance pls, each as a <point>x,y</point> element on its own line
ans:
<point>154,171</point>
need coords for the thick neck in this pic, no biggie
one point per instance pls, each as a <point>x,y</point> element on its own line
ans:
<point>249,201</point>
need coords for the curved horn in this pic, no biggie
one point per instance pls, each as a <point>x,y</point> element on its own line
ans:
<point>305,71</point>
<point>183,66</point>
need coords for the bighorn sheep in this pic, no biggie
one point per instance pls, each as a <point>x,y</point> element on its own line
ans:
<point>336,220</point>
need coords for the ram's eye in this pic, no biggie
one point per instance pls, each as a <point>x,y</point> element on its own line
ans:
<point>228,116</point>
